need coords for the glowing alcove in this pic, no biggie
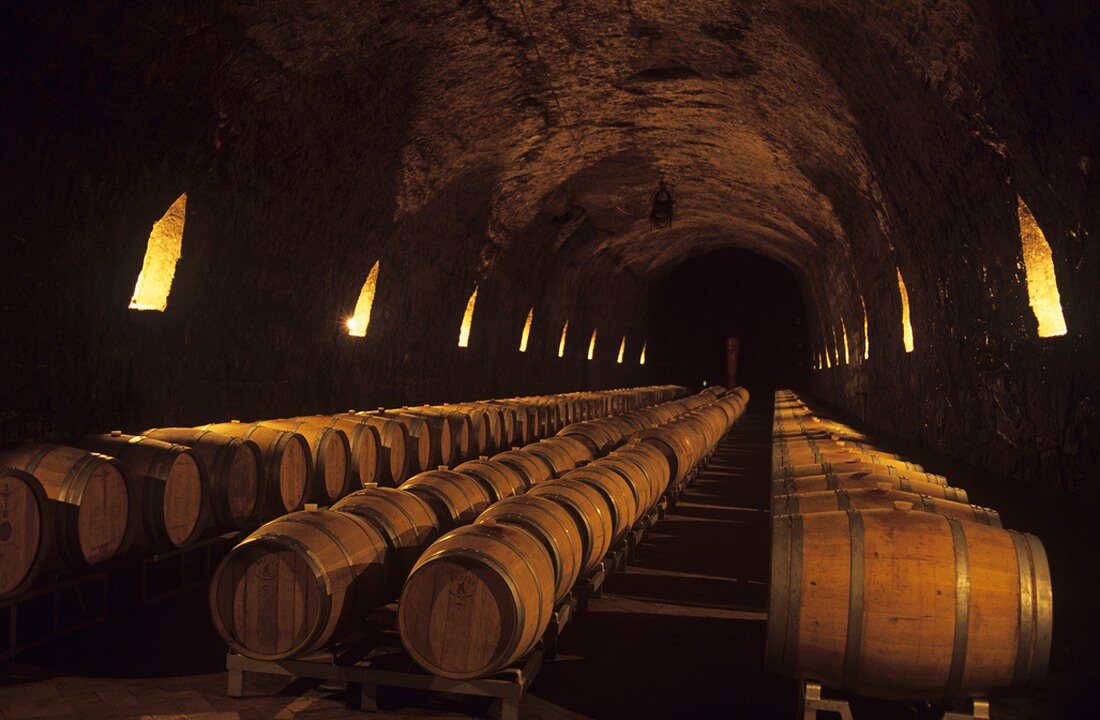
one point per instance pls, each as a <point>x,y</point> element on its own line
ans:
<point>622,349</point>
<point>526,330</point>
<point>467,320</point>
<point>844,335</point>
<point>162,253</point>
<point>561,343</point>
<point>360,319</point>
<point>641,358</point>
<point>906,326</point>
<point>592,345</point>
<point>866,334</point>
<point>1042,283</point>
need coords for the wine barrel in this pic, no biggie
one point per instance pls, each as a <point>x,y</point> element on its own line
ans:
<point>432,444</point>
<point>500,479</point>
<point>455,498</point>
<point>556,457</point>
<point>591,511</point>
<point>534,470</point>
<point>553,526</point>
<point>882,496</point>
<point>672,445</point>
<point>651,460</point>
<point>293,585</point>
<point>862,465</point>
<point>235,469</point>
<point>450,435</point>
<point>172,481</point>
<point>395,447</point>
<point>288,465</point>
<point>331,455</point>
<point>645,490</point>
<point>578,451</point>
<point>26,522</point>
<point>478,600</point>
<point>596,437</point>
<point>484,431</point>
<point>620,496</point>
<point>797,466</point>
<point>364,445</point>
<point>92,495</point>
<point>853,480</point>
<point>408,523</point>
<point>906,605</point>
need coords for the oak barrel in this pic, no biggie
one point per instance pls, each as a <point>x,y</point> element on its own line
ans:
<point>500,479</point>
<point>450,436</point>
<point>853,480</point>
<point>395,448</point>
<point>407,522</point>
<point>589,508</point>
<point>456,498</point>
<point>556,457</point>
<point>26,524</point>
<point>620,495</point>
<point>235,469</point>
<point>477,601</point>
<point>296,583</point>
<point>172,481</point>
<point>906,605</point>
<point>553,526</point>
<point>880,497</point>
<point>93,498</point>
<point>364,445</point>
<point>288,465</point>
<point>827,468</point>
<point>534,470</point>
<point>431,446</point>
<point>331,455</point>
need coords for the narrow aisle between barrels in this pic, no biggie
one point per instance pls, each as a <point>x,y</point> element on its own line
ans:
<point>680,631</point>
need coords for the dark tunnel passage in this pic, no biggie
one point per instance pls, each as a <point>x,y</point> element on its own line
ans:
<point>730,294</point>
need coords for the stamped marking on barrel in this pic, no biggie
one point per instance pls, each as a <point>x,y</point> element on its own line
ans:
<point>461,587</point>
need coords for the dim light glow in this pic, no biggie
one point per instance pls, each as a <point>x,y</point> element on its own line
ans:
<point>828,360</point>
<point>844,334</point>
<point>163,251</point>
<point>561,343</point>
<point>526,330</point>
<point>622,350</point>
<point>836,349</point>
<point>467,320</point>
<point>641,358</point>
<point>866,334</point>
<point>1042,282</point>
<point>906,326</point>
<point>360,319</point>
<point>592,345</point>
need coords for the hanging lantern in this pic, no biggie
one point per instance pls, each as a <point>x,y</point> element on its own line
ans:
<point>663,206</point>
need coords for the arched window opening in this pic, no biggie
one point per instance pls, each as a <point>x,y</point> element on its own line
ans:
<point>360,319</point>
<point>592,345</point>
<point>836,348</point>
<point>641,358</point>
<point>828,359</point>
<point>622,351</point>
<point>467,320</point>
<point>561,343</point>
<point>1042,283</point>
<point>844,335</point>
<point>906,326</point>
<point>866,334</point>
<point>526,330</point>
<point>162,253</point>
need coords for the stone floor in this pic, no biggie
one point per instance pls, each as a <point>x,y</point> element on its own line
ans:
<point>679,634</point>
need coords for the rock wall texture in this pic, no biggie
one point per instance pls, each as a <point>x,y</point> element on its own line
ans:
<point>515,146</point>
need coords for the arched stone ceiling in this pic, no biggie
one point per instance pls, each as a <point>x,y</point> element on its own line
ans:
<point>580,104</point>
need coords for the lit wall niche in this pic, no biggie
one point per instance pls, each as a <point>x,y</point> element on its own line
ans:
<point>467,320</point>
<point>1042,283</point>
<point>906,326</point>
<point>163,251</point>
<point>622,350</point>
<point>561,343</point>
<point>526,330</point>
<point>828,360</point>
<point>866,334</point>
<point>360,319</point>
<point>592,345</point>
<point>836,348</point>
<point>844,334</point>
<point>641,358</point>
